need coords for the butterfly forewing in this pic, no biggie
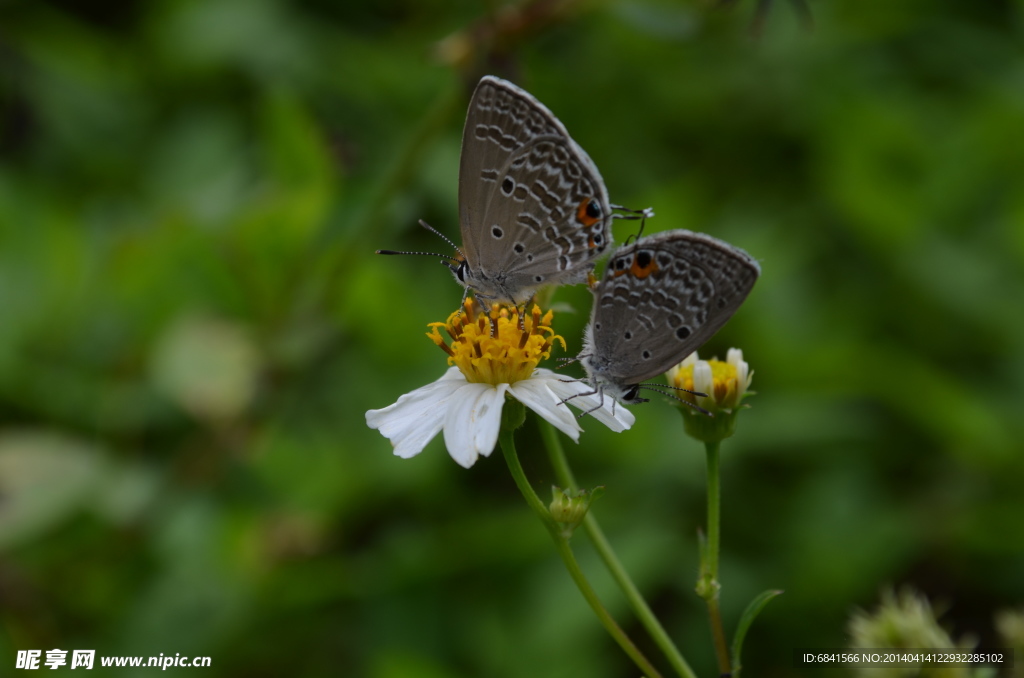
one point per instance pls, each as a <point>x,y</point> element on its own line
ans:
<point>661,298</point>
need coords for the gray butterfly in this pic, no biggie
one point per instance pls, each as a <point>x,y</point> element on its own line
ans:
<point>533,209</point>
<point>659,300</point>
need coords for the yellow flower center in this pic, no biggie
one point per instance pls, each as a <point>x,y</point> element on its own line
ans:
<point>725,384</point>
<point>497,347</point>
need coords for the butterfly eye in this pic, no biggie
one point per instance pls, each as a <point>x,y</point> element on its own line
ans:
<point>588,212</point>
<point>632,393</point>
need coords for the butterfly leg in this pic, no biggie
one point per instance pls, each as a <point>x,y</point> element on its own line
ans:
<point>522,314</point>
<point>632,214</point>
<point>462,304</point>
<point>575,395</point>
<point>643,214</point>
<point>600,393</point>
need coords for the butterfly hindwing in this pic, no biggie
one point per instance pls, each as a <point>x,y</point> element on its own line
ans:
<point>533,207</point>
<point>660,299</point>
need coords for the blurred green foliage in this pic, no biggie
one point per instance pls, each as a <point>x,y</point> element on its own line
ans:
<point>194,323</point>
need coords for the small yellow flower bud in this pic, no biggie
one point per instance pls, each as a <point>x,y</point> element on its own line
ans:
<point>725,384</point>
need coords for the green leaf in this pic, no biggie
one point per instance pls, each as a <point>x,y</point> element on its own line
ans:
<point>749,614</point>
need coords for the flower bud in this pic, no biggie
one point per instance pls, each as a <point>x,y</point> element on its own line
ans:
<point>905,620</point>
<point>724,385</point>
<point>570,508</point>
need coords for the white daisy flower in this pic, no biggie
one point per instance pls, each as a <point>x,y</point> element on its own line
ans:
<point>492,355</point>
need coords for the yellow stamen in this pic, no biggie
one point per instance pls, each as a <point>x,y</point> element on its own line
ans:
<point>496,347</point>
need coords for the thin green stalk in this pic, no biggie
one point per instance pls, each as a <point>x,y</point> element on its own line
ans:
<point>714,509</point>
<point>709,585</point>
<point>565,477</point>
<point>505,438</point>
<point>368,228</point>
<point>721,646</point>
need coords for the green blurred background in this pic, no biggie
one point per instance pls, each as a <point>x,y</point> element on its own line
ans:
<point>193,324</point>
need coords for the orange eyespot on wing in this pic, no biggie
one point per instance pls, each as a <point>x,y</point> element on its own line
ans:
<point>638,265</point>
<point>588,212</point>
<point>619,266</point>
<point>643,265</point>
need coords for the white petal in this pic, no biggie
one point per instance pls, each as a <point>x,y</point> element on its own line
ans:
<point>742,376</point>
<point>702,378</point>
<point>472,420</point>
<point>538,394</point>
<point>673,372</point>
<point>488,419</point>
<point>703,382</point>
<point>453,373</point>
<point>620,421</point>
<point>415,418</point>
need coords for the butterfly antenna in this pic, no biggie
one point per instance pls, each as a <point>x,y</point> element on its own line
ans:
<point>442,236</point>
<point>680,388</point>
<point>675,397</point>
<point>426,254</point>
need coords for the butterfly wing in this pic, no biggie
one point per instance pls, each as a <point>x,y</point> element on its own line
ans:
<point>662,298</point>
<point>533,207</point>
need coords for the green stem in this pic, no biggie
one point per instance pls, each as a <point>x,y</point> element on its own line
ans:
<point>508,447</point>
<point>331,270</point>
<point>565,477</point>
<point>709,587</point>
<point>714,509</point>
